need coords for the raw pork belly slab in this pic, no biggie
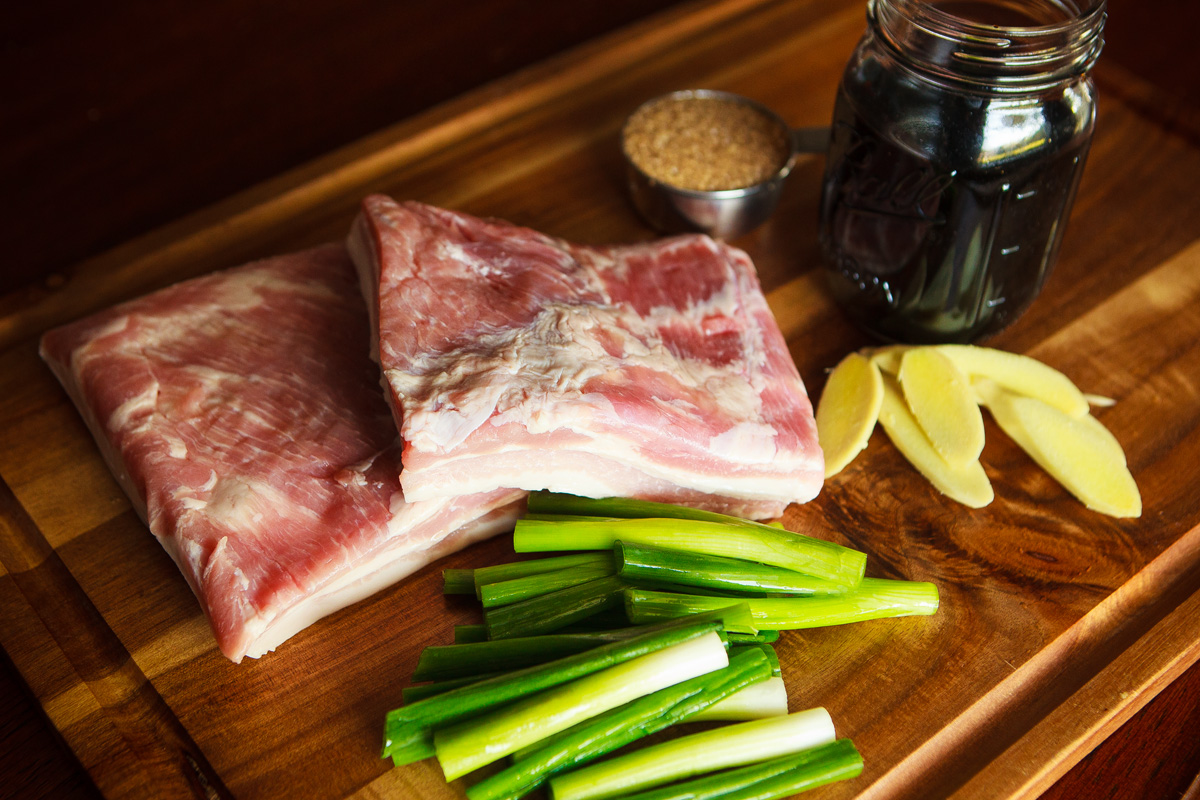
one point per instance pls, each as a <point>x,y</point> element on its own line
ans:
<point>243,416</point>
<point>516,359</point>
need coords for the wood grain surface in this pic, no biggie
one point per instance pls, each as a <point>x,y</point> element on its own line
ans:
<point>1056,623</point>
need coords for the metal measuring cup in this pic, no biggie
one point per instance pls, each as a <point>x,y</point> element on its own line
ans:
<point>725,213</point>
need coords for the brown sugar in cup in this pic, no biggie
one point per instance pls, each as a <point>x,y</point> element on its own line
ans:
<point>705,142</point>
<point>708,161</point>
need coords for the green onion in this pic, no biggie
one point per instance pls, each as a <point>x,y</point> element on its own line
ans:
<point>447,662</point>
<point>474,743</point>
<point>733,618</point>
<point>416,744</point>
<point>564,517</point>
<point>645,563</point>
<point>764,637</point>
<point>761,543</point>
<point>728,746</point>
<point>520,569</point>
<point>549,612</point>
<point>517,589</point>
<point>589,740</point>
<point>766,649</point>
<point>727,594</point>
<point>769,780</point>
<point>875,598</point>
<point>650,714</point>
<point>766,699</point>
<point>611,619</point>
<point>458,581</point>
<point>408,731</point>
<point>465,634</point>
<point>561,505</point>
<point>411,694</point>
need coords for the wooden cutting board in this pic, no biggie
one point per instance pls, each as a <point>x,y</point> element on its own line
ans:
<point>1056,623</point>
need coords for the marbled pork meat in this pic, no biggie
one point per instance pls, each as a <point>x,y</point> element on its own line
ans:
<point>514,359</point>
<point>243,417</point>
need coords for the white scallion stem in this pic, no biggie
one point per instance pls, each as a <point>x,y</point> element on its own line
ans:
<point>762,543</point>
<point>730,746</point>
<point>473,743</point>
<point>757,701</point>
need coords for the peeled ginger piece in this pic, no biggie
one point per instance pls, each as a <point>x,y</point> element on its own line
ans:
<point>847,411</point>
<point>966,483</point>
<point>1020,374</point>
<point>888,358</point>
<point>1078,452</point>
<point>941,400</point>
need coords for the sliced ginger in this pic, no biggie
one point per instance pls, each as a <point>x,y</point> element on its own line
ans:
<point>1078,452</point>
<point>847,411</point>
<point>940,398</point>
<point>967,483</point>
<point>927,401</point>
<point>888,358</point>
<point>1020,374</point>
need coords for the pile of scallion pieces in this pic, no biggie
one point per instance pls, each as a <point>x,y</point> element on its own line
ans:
<point>666,615</point>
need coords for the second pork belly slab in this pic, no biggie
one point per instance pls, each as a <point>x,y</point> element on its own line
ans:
<point>516,359</point>
<point>243,417</point>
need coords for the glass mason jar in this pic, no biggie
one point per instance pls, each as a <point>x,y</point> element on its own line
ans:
<point>959,136</point>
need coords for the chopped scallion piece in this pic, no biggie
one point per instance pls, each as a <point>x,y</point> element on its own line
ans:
<point>458,581</point>
<point>733,618</point>
<point>612,619</point>
<point>565,505</point>
<point>520,569</point>
<point>517,589</point>
<point>761,543</point>
<point>549,612</point>
<point>474,743</point>
<point>412,694</point>
<point>646,563</point>
<point>589,740</point>
<point>769,780</point>
<point>563,517</point>
<point>766,649</point>
<point>408,730</point>
<point>875,598</point>
<point>765,637</point>
<point>447,662</point>
<point>464,634</point>
<point>699,753</point>
<point>758,701</point>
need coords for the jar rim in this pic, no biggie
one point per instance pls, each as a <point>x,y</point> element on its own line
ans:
<point>1014,58</point>
<point>1078,16</point>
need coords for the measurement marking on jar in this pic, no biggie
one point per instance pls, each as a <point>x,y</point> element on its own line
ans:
<point>1008,251</point>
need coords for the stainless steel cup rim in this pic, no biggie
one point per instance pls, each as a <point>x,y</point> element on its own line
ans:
<point>719,212</point>
<point>715,194</point>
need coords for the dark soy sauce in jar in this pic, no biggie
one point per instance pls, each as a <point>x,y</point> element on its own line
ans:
<point>959,136</point>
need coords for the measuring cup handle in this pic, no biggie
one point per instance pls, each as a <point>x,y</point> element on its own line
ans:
<point>810,140</point>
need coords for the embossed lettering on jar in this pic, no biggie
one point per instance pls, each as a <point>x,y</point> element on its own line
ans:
<point>959,136</point>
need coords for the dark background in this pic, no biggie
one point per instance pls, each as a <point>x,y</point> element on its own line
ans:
<point>119,117</point>
<point>116,118</point>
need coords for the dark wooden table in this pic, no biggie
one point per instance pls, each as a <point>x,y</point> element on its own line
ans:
<point>117,120</point>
